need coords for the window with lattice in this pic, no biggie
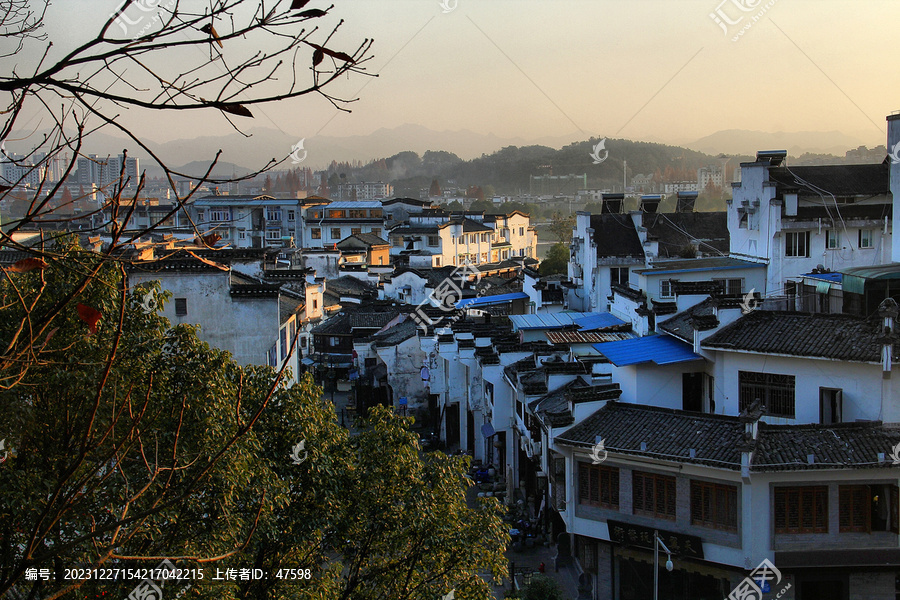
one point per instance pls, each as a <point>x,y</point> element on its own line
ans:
<point>868,508</point>
<point>801,509</point>
<point>653,495</point>
<point>714,505</point>
<point>774,391</point>
<point>598,486</point>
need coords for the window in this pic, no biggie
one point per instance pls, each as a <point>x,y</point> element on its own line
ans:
<point>242,234</point>
<point>521,231</point>
<point>272,356</point>
<point>335,233</point>
<point>598,486</point>
<point>315,304</point>
<point>291,215</point>
<point>801,509</point>
<point>335,214</point>
<point>273,234</point>
<point>653,495</point>
<point>867,508</point>
<point>398,241</point>
<point>314,214</point>
<point>743,219</point>
<point>618,275</point>
<point>866,238</point>
<point>283,342</point>
<point>219,215</point>
<point>376,231</point>
<point>315,233</point>
<point>462,239</point>
<point>273,214</point>
<point>375,213</point>
<point>200,214</point>
<point>334,341</point>
<point>357,214</point>
<point>355,230</point>
<point>832,239</point>
<point>485,237</point>
<point>776,392</point>
<point>796,244</point>
<point>714,505</point>
<point>434,241</point>
<point>180,307</point>
<point>732,287</point>
<point>303,342</point>
<point>437,261</point>
<point>665,288</point>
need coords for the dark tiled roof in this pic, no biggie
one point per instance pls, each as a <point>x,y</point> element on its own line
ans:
<point>414,230</point>
<point>719,440</point>
<point>345,322</point>
<point>397,334</point>
<point>350,286</point>
<point>668,434</point>
<point>689,288</point>
<point>287,306</point>
<point>840,180</point>
<point>680,325</point>
<point>787,447</point>
<point>469,226</point>
<point>614,235</point>
<point>847,211</point>
<point>711,228</point>
<point>664,308</point>
<point>835,336</point>
<point>362,240</point>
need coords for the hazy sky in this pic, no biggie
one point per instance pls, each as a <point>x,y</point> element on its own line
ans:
<point>639,69</point>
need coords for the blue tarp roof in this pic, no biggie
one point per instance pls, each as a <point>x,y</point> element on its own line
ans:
<point>486,300</point>
<point>599,321</point>
<point>830,277</point>
<point>659,349</point>
<point>549,320</point>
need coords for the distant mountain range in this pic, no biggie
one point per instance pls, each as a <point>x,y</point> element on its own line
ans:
<point>241,154</point>
<point>740,141</point>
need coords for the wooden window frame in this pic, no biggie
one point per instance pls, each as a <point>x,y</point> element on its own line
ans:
<point>598,485</point>
<point>722,499</point>
<point>808,502</point>
<point>654,495</point>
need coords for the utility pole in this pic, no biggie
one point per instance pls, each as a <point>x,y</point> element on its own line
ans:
<point>624,176</point>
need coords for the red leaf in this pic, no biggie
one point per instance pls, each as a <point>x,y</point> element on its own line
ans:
<point>312,13</point>
<point>89,315</point>
<point>236,109</point>
<point>318,56</point>
<point>298,4</point>
<point>25,265</point>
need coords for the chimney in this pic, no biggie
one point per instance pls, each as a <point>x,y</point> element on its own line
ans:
<point>893,148</point>
<point>685,201</point>
<point>650,204</point>
<point>612,203</point>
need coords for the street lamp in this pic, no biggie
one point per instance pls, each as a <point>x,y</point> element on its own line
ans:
<point>657,542</point>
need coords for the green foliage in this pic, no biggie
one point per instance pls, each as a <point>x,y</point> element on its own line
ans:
<point>561,226</point>
<point>542,588</point>
<point>140,441</point>
<point>556,260</point>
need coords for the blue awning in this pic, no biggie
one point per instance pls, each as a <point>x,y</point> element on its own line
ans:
<point>487,300</point>
<point>658,349</point>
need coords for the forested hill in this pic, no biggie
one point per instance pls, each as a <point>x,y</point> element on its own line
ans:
<point>508,170</point>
